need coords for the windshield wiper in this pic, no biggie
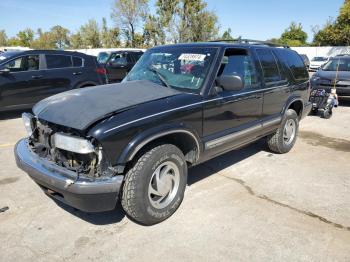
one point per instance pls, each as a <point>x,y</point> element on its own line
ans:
<point>160,76</point>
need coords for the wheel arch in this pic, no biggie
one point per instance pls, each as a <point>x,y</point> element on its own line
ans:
<point>295,103</point>
<point>186,140</point>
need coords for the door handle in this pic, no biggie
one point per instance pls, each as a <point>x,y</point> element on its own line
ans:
<point>77,73</point>
<point>37,77</point>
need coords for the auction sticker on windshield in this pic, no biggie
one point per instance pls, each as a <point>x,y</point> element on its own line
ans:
<point>192,57</point>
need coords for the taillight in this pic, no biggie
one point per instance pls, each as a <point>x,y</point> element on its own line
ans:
<point>101,70</point>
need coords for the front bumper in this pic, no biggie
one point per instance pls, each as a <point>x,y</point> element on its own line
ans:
<point>341,91</point>
<point>84,194</point>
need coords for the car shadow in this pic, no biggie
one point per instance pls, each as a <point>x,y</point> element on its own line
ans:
<point>344,101</point>
<point>101,218</point>
<point>204,170</point>
<point>12,114</point>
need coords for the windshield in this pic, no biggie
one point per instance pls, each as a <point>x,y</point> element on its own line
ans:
<point>341,64</point>
<point>102,57</point>
<point>182,68</point>
<point>319,59</point>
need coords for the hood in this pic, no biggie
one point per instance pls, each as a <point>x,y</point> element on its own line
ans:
<point>330,75</point>
<point>81,108</point>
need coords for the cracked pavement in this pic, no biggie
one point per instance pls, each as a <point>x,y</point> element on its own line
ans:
<point>247,205</point>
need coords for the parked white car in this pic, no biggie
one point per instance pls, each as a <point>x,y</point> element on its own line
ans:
<point>317,62</point>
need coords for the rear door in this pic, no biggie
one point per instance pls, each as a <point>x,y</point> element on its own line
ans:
<point>117,66</point>
<point>277,88</point>
<point>59,74</point>
<point>21,87</point>
<point>228,113</point>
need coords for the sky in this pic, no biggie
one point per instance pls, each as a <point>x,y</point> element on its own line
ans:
<point>254,19</point>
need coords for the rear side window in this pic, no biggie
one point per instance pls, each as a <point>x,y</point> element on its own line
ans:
<point>58,61</point>
<point>77,61</point>
<point>269,66</point>
<point>295,64</point>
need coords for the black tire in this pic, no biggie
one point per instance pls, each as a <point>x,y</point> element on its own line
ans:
<point>136,199</point>
<point>327,113</point>
<point>276,141</point>
<point>314,111</point>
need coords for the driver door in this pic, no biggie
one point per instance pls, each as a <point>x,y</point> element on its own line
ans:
<point>117,67</point>
<point>229,115</point>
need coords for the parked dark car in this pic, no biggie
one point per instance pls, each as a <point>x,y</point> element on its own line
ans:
<point>135,140</point>
<point>306,60</point>
<point>334,74</point>
<point>118,63</point>
<point>27,77</point>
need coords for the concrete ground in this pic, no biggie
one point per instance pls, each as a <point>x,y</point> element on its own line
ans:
<point>247,205</point>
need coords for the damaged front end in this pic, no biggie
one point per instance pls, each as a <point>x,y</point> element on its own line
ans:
<point>67,148</point>
<point>68,167</point>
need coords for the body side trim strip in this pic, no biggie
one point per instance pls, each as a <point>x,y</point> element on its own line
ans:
<point>186,106</point>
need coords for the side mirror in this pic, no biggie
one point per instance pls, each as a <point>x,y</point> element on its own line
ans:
<point>4,71</point>
<point>230,82</point>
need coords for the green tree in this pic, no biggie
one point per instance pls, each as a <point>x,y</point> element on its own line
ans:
<point>76,41</point>
<point>43,41</point>
<point>90,34</point>
<point>3,38</point>
<point>187,20</point>
<point>294,35</point>
<point>60,36</point>
<point>128,14</point>
<point>25,37</point>
<point>153,33</point>
<point>335,32</point>
<point>110,37</point>
<point>227,35</point>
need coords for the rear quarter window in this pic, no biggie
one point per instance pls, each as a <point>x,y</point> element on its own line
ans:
<point>77,61</point>
<point>269,66</point>
<point>295,63</point>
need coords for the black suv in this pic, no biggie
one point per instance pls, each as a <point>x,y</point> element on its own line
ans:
<point>179,106</point>
<point>118,63</point>
<point>27,77</point>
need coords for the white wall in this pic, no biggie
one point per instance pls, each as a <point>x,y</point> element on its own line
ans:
<point>326,51</point>
<point>96,51</point>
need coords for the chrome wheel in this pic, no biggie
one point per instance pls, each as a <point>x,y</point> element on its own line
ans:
<point>289,131</point>
<point>164,185</point>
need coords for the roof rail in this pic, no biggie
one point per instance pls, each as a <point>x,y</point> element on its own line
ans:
<point>251,41</point>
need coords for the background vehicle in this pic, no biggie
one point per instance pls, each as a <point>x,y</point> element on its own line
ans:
<point>317,62</point>
<point>137,141</point>
<point>335,73</point>
<point>27,77</point>
<point>118,63</point>
<point>306,60</point>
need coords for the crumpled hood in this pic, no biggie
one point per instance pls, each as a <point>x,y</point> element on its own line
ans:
<point>81,108</point>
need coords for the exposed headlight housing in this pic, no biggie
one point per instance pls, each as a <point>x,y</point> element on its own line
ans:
<point>73,144</point>
<point>29,123</point>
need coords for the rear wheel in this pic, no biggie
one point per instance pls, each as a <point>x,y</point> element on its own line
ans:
<point>154,187</point>
<point>327,113</point>
<point>283,140</point>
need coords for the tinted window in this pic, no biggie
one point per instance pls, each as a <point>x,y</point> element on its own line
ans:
<point>24,63</point>
<point>77,61</point>
<point>295,63</point>
<point>58,61</point>
<point>238,62</point>
<point>269,66</point>
<point>337,64</point>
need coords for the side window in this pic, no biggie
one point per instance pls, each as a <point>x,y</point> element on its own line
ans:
<point>269,66</point>
<point>119,59</point>
<point>238,62</point>
<point>77,61</point>
<point>295,64</point>
<point>24,63</point>
<point>58,61</point>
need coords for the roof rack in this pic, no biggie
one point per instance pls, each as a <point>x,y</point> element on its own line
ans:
<point>251,41</point>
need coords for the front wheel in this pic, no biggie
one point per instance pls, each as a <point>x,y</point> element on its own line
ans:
<point>154,187</point>
<point>283,140</point>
